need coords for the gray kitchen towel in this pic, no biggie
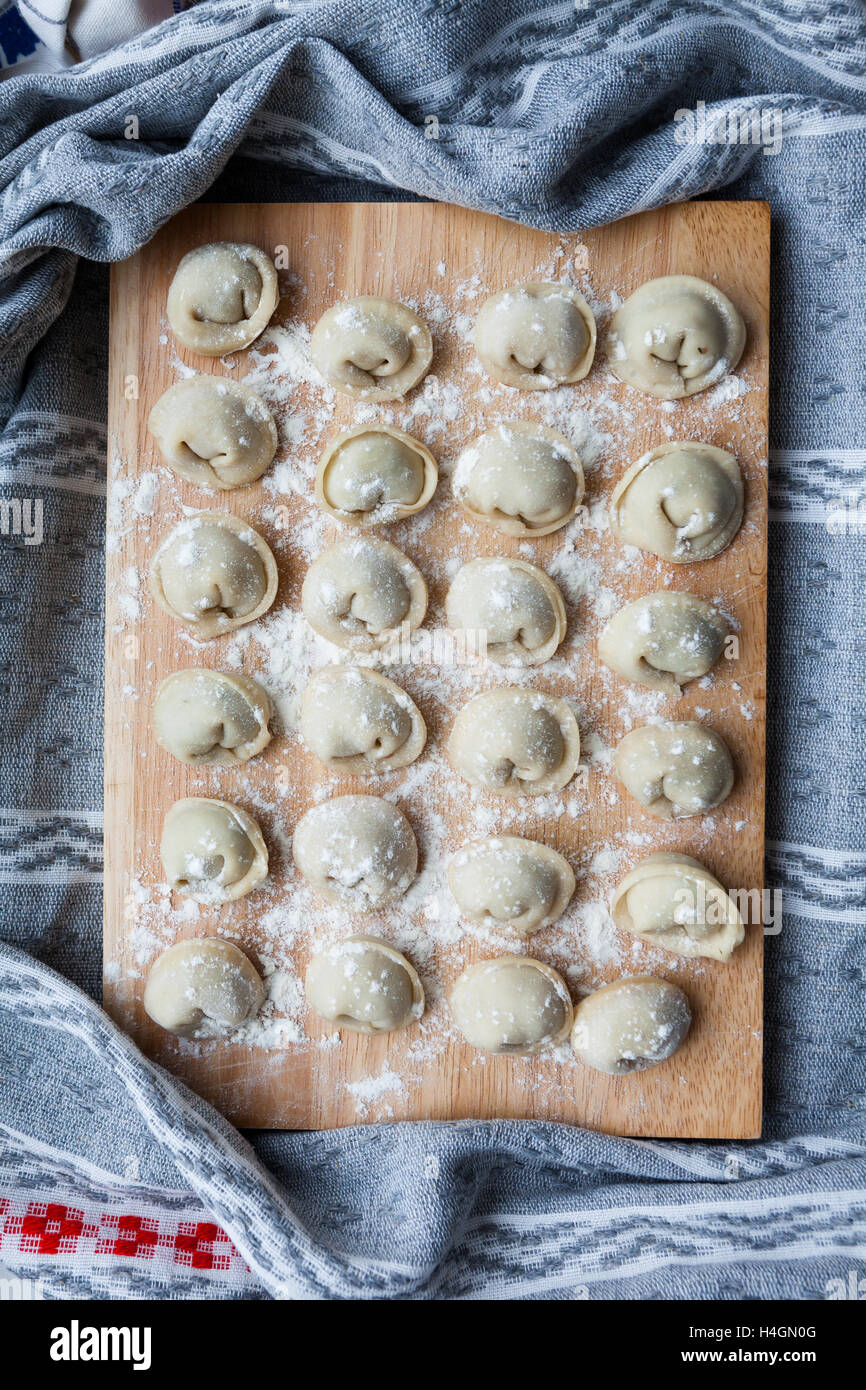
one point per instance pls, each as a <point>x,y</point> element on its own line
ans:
<point>114,1180</point>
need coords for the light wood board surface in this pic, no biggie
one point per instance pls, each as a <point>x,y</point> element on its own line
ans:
<point>296,1072</point>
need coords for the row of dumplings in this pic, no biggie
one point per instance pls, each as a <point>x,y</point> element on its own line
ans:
<point>511,1005</point>
<point>360,853</point>
<point>682,500</point>
<point>674,336</point>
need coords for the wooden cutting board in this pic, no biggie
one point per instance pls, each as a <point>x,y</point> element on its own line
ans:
<point>295,1071</point>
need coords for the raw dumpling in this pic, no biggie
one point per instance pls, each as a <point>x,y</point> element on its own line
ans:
<point>515,742</point>
<point>536,336</point>
<point>675,769</point>
<point>358,851</point>
<point>675,336</point>
<point>212,851</point>
<point>505,881</point>
<point>671,900</point>
<point>663,640</point>
<point>213,572</point>
<point>214,432</point>
<point>683,502</point>
<point>222,297</point>
<point>630,1025</point>
<point>373,474</point>
<point>361,593</point>
<point>525,480</point>
<point>364,985</point>
<point>512,1004</point>
<point>204,716</point>
<point>203,987</point>
<point>517,608</point>
<point>358,721</point>
<point>372,348</point>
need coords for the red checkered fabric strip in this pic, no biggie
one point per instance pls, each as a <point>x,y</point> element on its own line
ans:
<point>71,1231</point>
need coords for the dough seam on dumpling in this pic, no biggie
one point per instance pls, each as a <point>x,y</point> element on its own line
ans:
<point>184,849</point>
<point>519,324</point>
<point>167,718</point>
<point>702,476</point>
<point>350,681</point>
<point>181,550</point>
<point>482,572</point>
<point>384,510</point>
<point>485,750</point>
<point>207,407</point>
<point>684,633</point>
<point>694,917</point>
<point>335,600</point>
<point>383,334</point>
<point>197,281</point>
<point>496,472</point>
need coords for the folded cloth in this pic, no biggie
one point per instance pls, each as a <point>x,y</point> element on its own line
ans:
<point>114,1180</point>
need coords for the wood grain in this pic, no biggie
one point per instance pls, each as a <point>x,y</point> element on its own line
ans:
<point>712,1088</point>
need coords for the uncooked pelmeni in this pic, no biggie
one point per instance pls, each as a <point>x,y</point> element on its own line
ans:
<point>675,336</point>
<point>524,479</point>
<point>512,1004</point>
<point>364,985</point>
<point>675,769</point>
<point>357,721</point>
<point>630,1025</point>
<point>361,592</point>
<point>671,900</point>
<point>214,432</point>
<point>358,851</point>
<point>515,606</point>
<point>505,881</point>
<point>217,717</point>
<point>213,572</point>
<point>222,297</point>
<point>203,987</point>
<point>536,336</point>
<point>371,348</point>
<point>664,640</point>
<point>515,742</point>
<point>374,474</point>
<point>212,851</point>
<point>683,502</point>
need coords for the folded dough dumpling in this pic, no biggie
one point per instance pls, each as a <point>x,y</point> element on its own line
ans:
<point>371,348</point>
<point>524,479</point>
<point>202,987</point>
<point>358,851</point>
<point>211,850</point>
<point>675,336</point>
<point>681,501</point>
<point>515,742</point>
<point>513,1004</point>
<point>631,1025</point>
<point>213,572</point>
<point>222,297</point>
<point>357,721</point>
<point>214,432</point>
<point>663,640</point>
<point>671,900</point>
<point>505,881</point>
<point>675,769</point>
<point>374,474</point>
<point>361,592</point>
<point>216,717</point>
<point>364,985</point>
<point>536,336</point>
<point>516,606</point>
